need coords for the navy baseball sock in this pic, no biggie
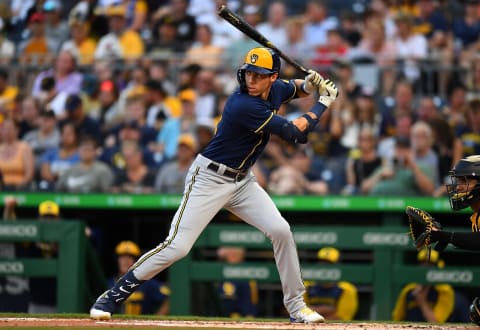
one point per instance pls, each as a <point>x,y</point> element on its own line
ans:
<point>114,297</point>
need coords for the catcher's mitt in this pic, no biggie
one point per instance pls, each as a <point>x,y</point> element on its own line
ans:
<point>421,224</point>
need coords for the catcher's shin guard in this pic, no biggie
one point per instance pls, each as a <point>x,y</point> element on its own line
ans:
<point>108,302</point>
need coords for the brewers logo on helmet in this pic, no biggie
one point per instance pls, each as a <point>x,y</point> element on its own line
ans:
<point>261,60</point>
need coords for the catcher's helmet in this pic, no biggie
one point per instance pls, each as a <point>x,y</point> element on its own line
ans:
<point>261,60</point>
<point>468,167</point>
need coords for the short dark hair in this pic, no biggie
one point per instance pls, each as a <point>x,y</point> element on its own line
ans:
<point>156,85</point>
<point>4,73</point>
<point>47,83</point>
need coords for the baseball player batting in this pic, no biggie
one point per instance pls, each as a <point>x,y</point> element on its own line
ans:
<point>220,177</point>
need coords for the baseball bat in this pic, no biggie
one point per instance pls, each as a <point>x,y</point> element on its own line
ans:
<point>248,30</point>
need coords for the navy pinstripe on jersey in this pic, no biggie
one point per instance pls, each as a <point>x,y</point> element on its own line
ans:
<point>244,129</point>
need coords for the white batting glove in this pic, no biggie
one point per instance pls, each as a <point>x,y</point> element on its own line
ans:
<point>312,81</point>
<point>328,92</point>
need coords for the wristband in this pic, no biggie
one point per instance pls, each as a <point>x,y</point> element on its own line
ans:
<point>311,122</point>
<point>318,109</point>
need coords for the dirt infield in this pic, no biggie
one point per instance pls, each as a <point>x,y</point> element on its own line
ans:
<point>12,322</point>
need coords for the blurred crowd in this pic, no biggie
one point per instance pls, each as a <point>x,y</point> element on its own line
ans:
<point>120,95</point>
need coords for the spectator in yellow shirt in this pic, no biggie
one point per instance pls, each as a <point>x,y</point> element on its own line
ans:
<point>80,43</point>
<point>7,95</point>
<point>120,42</point>
<point>334,300</point>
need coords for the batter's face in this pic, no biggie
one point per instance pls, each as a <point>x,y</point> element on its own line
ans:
<point>259,84</point>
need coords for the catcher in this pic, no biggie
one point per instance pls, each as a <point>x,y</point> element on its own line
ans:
<point>463,192</point>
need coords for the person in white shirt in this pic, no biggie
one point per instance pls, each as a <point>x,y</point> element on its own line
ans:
<point>318,23</point>
<point>274,29</point>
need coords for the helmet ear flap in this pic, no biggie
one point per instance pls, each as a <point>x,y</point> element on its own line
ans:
<point>241,78</point>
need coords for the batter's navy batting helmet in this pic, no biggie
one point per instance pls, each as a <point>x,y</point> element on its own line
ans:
<point>261,60</point>
<point>468,167</point>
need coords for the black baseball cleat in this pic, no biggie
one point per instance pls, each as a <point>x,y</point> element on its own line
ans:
<point>103,308</point>
<point>107,303</point>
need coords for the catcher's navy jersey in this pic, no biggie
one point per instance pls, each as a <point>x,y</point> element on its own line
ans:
<point>244,129</point>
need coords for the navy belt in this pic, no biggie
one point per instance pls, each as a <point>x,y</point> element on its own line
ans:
<point>237,176</point>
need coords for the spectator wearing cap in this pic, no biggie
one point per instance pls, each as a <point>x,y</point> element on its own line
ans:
<point>64,71</point>
<point>56,28</point>
<point>167,139</point>
<point>164,42</point>
<point>437,303</point>
<point>76,115</point>
<point>38,48</point>
<point>334,300</point>
<point>7,47</point>
<point>43,290</point>
<point>403,176</point>
<point>80,43</point>
<point>89,175</point>
<point>185,23</point>
<point>171,176</point>
<point>120,42</point>
<point>45,137</point>
<point>238,297</point>
<point>108,114</point>
<point>152,297</point>
<point>156,97</point>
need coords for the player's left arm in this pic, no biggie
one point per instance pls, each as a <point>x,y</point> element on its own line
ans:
<point>328,92</point>
<point>297,130</point>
